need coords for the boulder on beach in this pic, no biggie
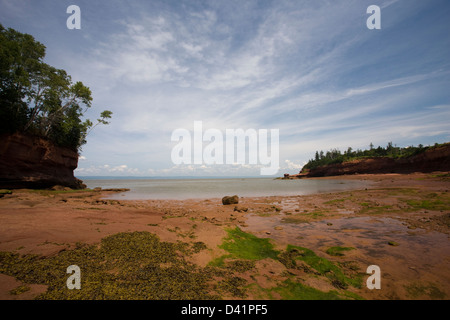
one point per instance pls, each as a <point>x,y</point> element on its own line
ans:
<point>230,200</point>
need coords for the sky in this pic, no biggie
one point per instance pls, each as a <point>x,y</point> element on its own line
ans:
<point>311,69</point>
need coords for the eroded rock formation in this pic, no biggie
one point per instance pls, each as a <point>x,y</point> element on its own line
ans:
<point>32,162</point>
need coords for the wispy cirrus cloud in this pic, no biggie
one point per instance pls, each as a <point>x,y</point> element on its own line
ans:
<point>295,69</point>
<point>311,69</point>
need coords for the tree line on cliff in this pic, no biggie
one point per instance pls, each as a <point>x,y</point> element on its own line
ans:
<point>335,156</point>
<point>38,99</point>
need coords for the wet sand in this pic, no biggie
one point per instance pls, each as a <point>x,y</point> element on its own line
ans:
<point>400,223</point>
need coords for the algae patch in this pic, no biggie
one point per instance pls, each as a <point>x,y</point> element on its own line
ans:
<point>127,266</point>
<point>244,249</point>
<point>338,251</point>
<point>430,290</point>
<point>244,245</point>
<point>319,265</point>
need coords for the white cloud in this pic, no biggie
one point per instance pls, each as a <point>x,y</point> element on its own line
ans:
<point>291,165</point>
<point>313,71</point>
<point>107,170</point>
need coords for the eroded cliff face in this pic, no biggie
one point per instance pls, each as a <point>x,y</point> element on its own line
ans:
<point>433,159</point>
<point>33,162</point>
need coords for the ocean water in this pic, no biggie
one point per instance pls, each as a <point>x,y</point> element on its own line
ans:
<point>180,189</point>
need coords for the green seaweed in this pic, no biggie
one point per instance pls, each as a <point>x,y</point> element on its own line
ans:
<point>291,290</point>
<point>244,248</point>
<point>338,251</point>
<point>294,220</point>
<point>137,265</point>
<point>241,265</point>
<point>434,205</point>
<point>335,201</point>
<point>128,266</point>
<point>321,265</point>
<point>19,290</point>
<point>242,245</point>
<point>371,208</point>
<point>417,290</point>
<point>233,285</point>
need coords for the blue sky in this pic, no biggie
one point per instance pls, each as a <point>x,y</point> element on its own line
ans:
<point>311,69</point>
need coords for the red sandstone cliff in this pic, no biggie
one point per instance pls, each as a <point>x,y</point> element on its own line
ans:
<point>33,162</point>
<point>433,159</point>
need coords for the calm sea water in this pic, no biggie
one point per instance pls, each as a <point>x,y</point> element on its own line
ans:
<point>179,189</point>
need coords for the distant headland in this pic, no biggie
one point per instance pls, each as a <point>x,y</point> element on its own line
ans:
<point>377,161</point>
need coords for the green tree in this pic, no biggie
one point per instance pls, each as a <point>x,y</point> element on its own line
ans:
<point>39,99</point>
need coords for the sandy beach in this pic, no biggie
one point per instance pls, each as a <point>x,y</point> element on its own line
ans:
<point>400,223</point>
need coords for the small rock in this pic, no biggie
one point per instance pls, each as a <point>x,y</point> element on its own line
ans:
<point>278,228</point>
<point>240,209</point>
<point>393,243</point>
<point>230,200</point>
<point>329,224</point>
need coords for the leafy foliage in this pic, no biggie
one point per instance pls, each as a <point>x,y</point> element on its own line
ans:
<point>39,99</point>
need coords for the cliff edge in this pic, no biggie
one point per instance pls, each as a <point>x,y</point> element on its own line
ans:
<point>432,159</point>
<point>33,162</point>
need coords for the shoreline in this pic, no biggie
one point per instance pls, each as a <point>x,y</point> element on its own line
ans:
<point>185,189</point>
<point>403,207</point>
